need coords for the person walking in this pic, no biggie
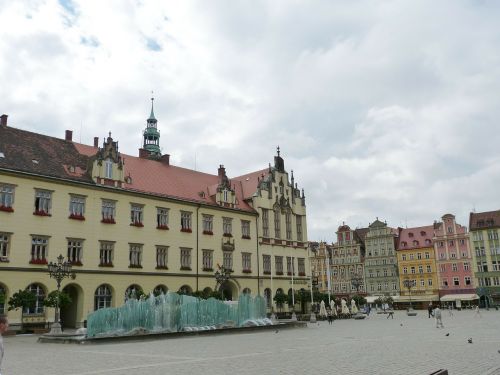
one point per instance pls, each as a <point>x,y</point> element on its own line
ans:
<point>477,312</point>
<point>4,324</point>
<point>437,315</point>
<point>450,310</point>
<point>429,310</point>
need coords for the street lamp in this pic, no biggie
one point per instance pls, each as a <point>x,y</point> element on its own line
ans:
<point>59,271</point>
<point>222,275</point>
<point>408,284</point>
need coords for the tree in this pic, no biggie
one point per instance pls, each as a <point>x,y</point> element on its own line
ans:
<point>55,298</point>
<point>280,299</point>
<point>23,299</point>
<point>360,300</point>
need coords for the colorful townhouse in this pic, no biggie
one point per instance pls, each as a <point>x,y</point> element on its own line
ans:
<point>129,223</point>
<point>453,262</point>
<point>417,266</point>
<point>381,266</point>
<point>347,262</point>
<point>320,261</point>
<point>485,245</point>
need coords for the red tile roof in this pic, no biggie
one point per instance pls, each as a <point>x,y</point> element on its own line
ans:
<point>68,160</point>
<point>484,220</point>
<point>419,234</point>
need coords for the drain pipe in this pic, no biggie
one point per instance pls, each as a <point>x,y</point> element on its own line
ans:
<point>258,259</point>
<point>197,246</point>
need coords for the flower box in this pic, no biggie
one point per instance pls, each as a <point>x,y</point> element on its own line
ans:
<point>76,217</point>
<point>183,268</point>
<point>134,266</point>
<point>109,220</point>
<point>38,261</point>
<point>110,264</point>
<point>186,230</point>
<point>41,213</point>
<point>77,263</point>
<point>209,232</point>
<point>6,209</point>
<point>247,271</point>
<point>279,273</point>
<point>227,235</point>
<point>162,227</point>
<point>246,237</point>
<point>208,269</point>
<point>137,224</point>
<point>267,272</point>
<point>161,267</point>
<point>290,274</point>
<point>302,273</point>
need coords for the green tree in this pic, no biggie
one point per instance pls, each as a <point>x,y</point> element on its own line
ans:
<point>23,299</point>
<point>360,300</point>
<point>55,298</point>
<point>280,299</point>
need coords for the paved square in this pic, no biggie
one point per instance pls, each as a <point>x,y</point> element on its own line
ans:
<point>403,345</point>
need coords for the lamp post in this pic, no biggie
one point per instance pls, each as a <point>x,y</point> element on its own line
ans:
<point>222,275</point>
<point>408,284</point>
<point>59,271</point>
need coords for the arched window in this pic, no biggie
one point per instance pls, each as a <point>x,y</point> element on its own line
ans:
<point>267,297</point>
<point>247,291</point>
<point>39,293</point>
<point>185,289</point>
<point>102,297</point>
<point>160,289</point>
<point>133,291</point>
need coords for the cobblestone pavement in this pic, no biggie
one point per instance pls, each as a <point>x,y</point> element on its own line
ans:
<point>403,345</point>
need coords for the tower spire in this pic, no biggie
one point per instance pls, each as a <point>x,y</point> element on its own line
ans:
<point>151,134</point>
<point>152,115</point>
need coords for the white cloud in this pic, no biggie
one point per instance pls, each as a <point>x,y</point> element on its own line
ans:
<point>384,109</point>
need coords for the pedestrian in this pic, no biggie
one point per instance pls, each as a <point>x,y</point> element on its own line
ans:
<point>330,317</point>
<point>450,310</point>
<point>437,315</point>
<point>390,314</point>
<point>477,312</point>
<point>429,310</point>
<point>368,309</point>
<point>4,324</point>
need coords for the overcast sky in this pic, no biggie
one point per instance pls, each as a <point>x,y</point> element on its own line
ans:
<point>384,109</point>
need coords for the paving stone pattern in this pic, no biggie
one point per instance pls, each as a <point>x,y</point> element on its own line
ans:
<point>403,345</point>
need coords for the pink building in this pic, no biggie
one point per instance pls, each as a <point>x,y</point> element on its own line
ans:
<point>453,261</point>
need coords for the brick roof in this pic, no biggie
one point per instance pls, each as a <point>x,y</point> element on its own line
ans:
<point>420,234</point>
<point>484,220</point>
<point>69,160</point>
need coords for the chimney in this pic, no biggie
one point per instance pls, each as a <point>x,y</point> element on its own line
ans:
<point>165,159</point>
<point>69,135</point>
<point>221,172</point>
<point>3,120</point>
<point>96,141</point>
<point>143,153</point>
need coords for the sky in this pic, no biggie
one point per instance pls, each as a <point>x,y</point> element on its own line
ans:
<point>385,109</point>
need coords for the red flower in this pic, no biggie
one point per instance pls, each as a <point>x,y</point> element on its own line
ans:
<point>6,208</point>
<point>164,227</point>
<point>38,261</point>
<point>41,213</point>
<point>77,217</point>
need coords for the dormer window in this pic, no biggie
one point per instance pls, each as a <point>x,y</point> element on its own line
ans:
<point>410,234</point>
<point>225,195</point>
<point>415,243</point>
<point>108,168</point>
<point>422,233</point>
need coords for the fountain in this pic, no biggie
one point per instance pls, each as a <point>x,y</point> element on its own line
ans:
<point>172,312</point>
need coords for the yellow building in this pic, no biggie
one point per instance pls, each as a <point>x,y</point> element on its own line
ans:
<point>417,266</point>
<point>138,223</point>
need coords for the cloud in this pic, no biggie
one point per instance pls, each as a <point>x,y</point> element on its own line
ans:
<point>384,109</point>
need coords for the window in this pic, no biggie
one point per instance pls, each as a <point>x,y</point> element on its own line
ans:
<point>75,251</point>
<point>403,257</point>
<point>496,280</point>
<point>136,215</point>
<point>185,259</point>
<point>451,243</point>
<point>385,272</point>
<point>162,218</point>
<point>495,265</point>
<point>288,225</point>
<point>265,222</point>
<point>245,229</point>
<point>450,230</point>
<point>135,255</point>
<point>298,220</point>
<point>227,260</point>
<point>411,256</point>
<point>246,262</point>
<point>422,283</point>
<point>6,198</point>
<point>102,297</point>
<point>379,286</point>
<point>278,261</point>
<point>266,261</point>
<point>442,267</point>
<point>39,249</point>
<point>301,266</point>
<point>290,269</point>
<point>4,248</point>
<point>466,266</point>
<point>462,242</point>
<point>456,282</point>
<point>108,168</point>
<point>420,269</point>
<point>441,243</point>
<point>39,293</point>
<point>208,260</point>
<point>108,211</point>
<point>467,280</point>
<point>394,286</point>
<point>445,283</point>
<point>442,255</point>
<point>419,255</point>
<point>453,255</point>
<point>76,207</point>
<point>405,269</point>
<point>454,267</point>
<point>227,226</point>
<point>277,223</point>
<point>429,270</point>
<point>106,253</point>
<point>412,269</point>
<point>186,222</point>
<point>427,255</point>
<point>429,282</point>
<point>162,257</point>
<point>42,202</point>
